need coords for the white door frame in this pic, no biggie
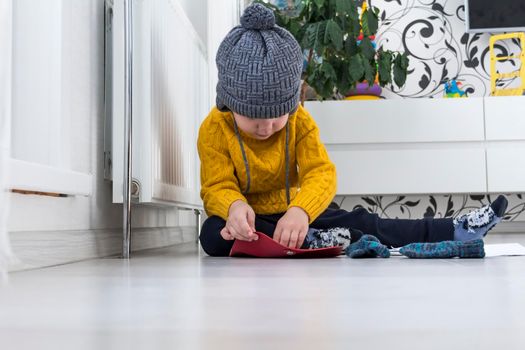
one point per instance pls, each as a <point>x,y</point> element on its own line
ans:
<point>5,126</point>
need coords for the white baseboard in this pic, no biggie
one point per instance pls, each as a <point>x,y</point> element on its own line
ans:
<point>36,249</point>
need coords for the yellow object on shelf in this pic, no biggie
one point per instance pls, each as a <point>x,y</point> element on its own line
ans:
<point>363,97</point>
<point>520,73</point>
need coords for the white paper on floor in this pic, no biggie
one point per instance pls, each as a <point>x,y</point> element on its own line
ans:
<point>504,249</point>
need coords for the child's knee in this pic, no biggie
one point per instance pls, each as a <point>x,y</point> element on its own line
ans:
<point>211,240</point>
<point>212,224</point>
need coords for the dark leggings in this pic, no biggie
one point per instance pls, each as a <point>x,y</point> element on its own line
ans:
<point>391,232</point>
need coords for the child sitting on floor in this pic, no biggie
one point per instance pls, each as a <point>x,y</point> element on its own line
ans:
<point>264,168</point>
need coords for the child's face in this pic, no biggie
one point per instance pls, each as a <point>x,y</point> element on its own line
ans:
<point>260,129</point>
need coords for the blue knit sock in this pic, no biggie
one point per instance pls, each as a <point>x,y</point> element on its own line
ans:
<point>477,223</point>
<point>367,246</point>
<point>446,249</point>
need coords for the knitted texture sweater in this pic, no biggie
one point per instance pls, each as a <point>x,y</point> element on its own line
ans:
<point>223,173</point>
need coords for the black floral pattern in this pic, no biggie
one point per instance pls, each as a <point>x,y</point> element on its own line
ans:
<point>430,206</point>
<point>432,33</point>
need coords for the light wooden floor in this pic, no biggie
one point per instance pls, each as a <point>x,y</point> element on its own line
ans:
<point>177,298</point>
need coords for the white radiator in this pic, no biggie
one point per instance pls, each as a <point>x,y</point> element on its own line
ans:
<point>170,99</point>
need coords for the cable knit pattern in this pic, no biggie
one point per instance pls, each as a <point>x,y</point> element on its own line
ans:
<point>223,174</point>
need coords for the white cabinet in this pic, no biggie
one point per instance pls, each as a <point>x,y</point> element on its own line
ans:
<point>505,125</point>
<point>425,146</point>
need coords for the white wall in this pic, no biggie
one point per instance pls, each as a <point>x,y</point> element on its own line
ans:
<point>222,17</point>
<point>66,80</point>
<point>196,12</point>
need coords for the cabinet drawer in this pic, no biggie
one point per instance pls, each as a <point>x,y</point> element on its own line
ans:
<point>506,168</point>
<point>505,117</point>
<point>399,120</point>
<point>412,171</point>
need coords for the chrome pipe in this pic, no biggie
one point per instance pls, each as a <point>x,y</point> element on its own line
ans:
<point>128,126</point>
<point>198,215</point>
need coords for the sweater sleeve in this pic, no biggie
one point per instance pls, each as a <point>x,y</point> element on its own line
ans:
<point>317,174</point>
<point>219,186</point>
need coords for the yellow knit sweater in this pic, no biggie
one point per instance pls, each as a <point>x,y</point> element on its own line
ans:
<point>223,173</point>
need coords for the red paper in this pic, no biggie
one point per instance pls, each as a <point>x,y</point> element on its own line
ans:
<point>266,247</point>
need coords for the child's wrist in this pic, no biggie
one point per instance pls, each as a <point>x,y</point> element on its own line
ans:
<point>299,209</point>
<point>234,204</point>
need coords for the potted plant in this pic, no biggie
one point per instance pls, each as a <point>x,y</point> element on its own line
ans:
<point>339,47</point>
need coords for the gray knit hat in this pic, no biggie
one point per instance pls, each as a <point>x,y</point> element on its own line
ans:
<point>259,66</point>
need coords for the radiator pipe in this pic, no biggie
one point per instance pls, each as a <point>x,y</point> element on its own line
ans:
<point>128,127</point>
<point>198,215</point>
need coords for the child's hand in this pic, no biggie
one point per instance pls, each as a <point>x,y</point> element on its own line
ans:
<point>292,228</point>
<point>240,223</point>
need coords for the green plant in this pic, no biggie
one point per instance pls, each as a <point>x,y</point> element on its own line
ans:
<point>328,31</point>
